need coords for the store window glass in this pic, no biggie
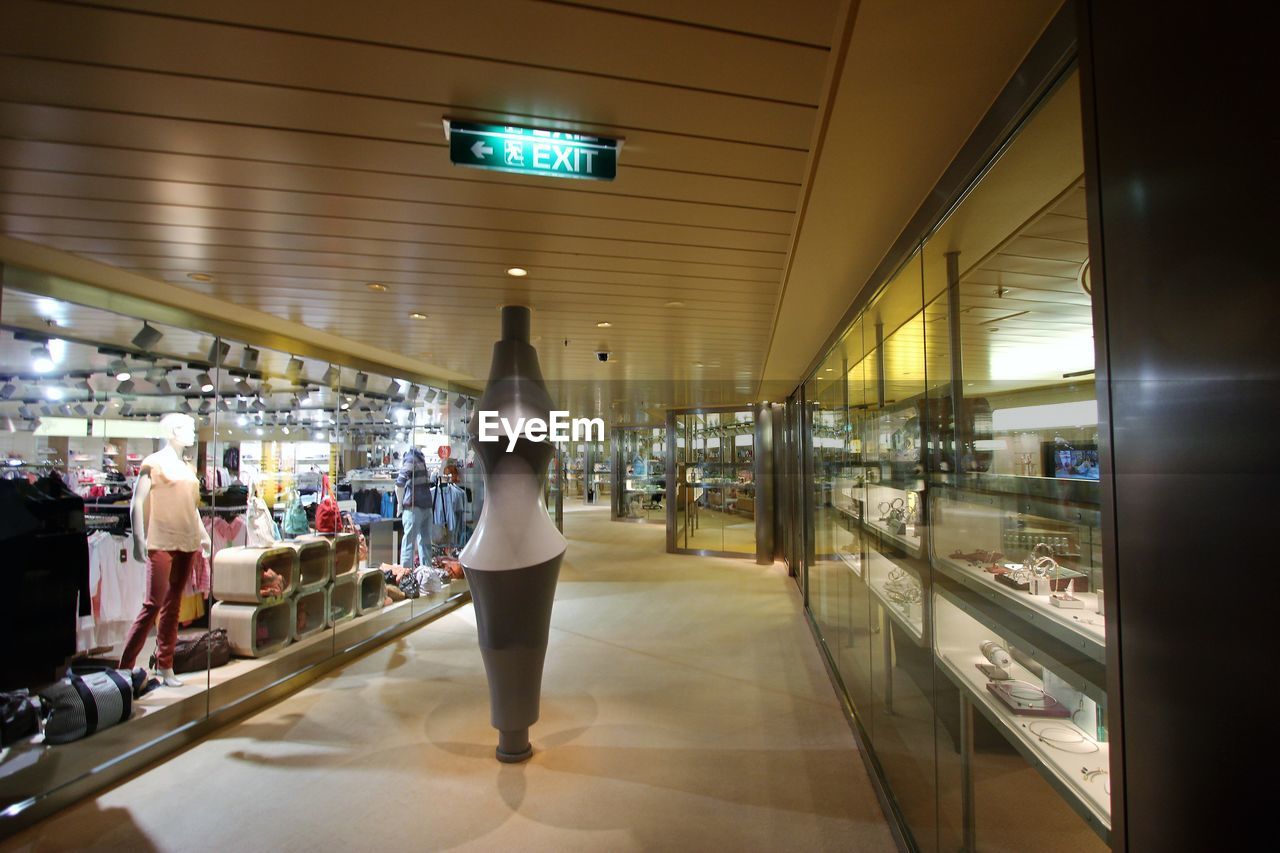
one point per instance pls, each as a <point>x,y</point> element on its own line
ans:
<point>87,398</point>
<point>953,513</point>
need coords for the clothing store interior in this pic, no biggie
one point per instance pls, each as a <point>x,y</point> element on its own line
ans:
<point>209,515</point>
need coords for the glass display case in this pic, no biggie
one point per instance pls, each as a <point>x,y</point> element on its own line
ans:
<point>640,474</point>
<point>952,546</point>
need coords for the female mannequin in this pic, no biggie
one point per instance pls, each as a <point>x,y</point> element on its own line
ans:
<point>167,533</point>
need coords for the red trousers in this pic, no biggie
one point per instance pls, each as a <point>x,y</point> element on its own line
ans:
<point>167,575</point>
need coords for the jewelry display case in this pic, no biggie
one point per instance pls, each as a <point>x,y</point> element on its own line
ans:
<point>640,474</point>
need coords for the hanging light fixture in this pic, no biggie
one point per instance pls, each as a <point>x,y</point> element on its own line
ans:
<point>205,381</point>
<point>243,388</point>
<point>121,370</point>
<point>362,381</point>
<point>125,387</point>
<point>330,377</point>
<point>294,368</point>
<point>99,410</point>
<point>249,359</point>
<point>147,337</point>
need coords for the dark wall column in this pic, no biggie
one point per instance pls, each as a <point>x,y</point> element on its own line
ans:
<point>1181,154</point>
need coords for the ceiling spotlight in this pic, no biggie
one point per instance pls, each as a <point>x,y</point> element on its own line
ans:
<point>206,406</point>
<point>24,412</point>
<point>52,393</point>
<point>147,337</point>
<point>259,404</point>
<point>318,435</point>
<point>604,324</point>
<point>249,359</point>
<point>242,406</point>
<point>41,361</point>
<point>120,370</point>
<point>185,406</point>
<point>99,410</point>
<point>164,387</point>
<point>345,405</point>
<point>80,410</point>
<point>242,421</point>
<point>285,430</point>
<point>362,380</point>
<point>460,402</point>
<point>126,411</point>
<point>517,272</point>
<point>393,388</point>
<point>377,287</point>
<point>126,387</point>
<point>46,412</point>
<point>294,368</point>
<point>223,405</point>
<point>330,376</point>
<point>7,392</point>
<point>199,276</point>
<point>155,374</point>
<point>218,352</point>
<point>258,431</point>
<point>243,388</point>
<point>205,381</point>
<point>417,315</point>
<point>295,401</point>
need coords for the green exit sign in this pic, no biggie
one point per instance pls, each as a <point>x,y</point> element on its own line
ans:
<point>531,151</point>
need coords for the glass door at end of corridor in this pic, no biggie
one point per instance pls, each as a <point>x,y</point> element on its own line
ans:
<point>713,484</point>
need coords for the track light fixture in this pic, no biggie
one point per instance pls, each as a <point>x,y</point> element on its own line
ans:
<point>120,370</point>
<point>206,406</point>
<point>205,381</point>
<point>147,337</point>
<point>24,412</point>
<point>330,377</point>
<point>125,387</point>
<point>99,410</point>
<point>362,381</point>
<point>223,405</point>
<point>7,392</point>
<point>294,367</point>
<point>218,352</point>
<point>41,360</point>
<point>243,388</point>
<point>126,411</point>
<point>164,387</point>
<point>249,359</point>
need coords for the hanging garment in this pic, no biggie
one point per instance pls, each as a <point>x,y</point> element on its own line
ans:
<point>44,587</point>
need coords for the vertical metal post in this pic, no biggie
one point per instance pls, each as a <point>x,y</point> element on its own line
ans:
<point>879,365</point>
<point>886,636</point>
<point>672,488</point>
<point>960,424</point>
<point>967,814</point>
<point>763,474</point>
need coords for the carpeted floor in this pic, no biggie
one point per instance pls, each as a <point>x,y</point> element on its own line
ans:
<point>685,707</point>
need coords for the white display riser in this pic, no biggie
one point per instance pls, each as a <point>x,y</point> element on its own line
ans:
<point>315,561</point>
<point>237,572</point>
<point>241,622</point>
<point>315,603</point>
<point>371,591</point>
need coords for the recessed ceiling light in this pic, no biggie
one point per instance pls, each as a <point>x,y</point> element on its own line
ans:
<point>829,369</point>
<point>377,287</point>
<point>675,303</point>
<point>697,364</point>
<point>417,315</point>
<point>199,276</point>
<point>603,325</point>
<point>518,272</point>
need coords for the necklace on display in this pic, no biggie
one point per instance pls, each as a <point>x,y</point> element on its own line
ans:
<point>1062,738</point>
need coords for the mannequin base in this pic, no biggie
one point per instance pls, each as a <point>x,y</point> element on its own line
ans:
<point>514,747</point>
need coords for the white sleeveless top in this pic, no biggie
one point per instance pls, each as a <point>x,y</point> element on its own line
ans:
<point>172,520</point>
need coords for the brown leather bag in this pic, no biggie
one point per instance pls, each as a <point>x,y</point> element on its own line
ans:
<point>206,651</point>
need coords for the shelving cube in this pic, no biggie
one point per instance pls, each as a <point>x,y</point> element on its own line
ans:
<point>313,606</point>
<point>315,561</point>
<point>371,591</point>
<point>242,621</point>
<point>237,572</point>
<point>341,599</point>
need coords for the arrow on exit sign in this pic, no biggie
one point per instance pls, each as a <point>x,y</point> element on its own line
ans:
<point>532,151</point>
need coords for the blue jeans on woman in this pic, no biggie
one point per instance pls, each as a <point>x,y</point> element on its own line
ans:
<point>417,534</point>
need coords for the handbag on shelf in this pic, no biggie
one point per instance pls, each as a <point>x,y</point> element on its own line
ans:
<point>328,516</point>
<point>349,526</point>
<point>295,518</point>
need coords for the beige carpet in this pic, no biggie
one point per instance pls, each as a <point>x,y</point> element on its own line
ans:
<point>684,708</point>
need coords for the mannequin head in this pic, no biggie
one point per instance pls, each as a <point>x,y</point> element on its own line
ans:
<point>179,430</point>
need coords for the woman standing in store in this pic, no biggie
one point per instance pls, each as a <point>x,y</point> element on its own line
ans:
<point>167,533</point>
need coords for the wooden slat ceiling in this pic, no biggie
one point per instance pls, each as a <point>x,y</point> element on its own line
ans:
<point>294,151</point>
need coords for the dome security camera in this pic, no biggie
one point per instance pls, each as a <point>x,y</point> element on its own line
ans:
<point>603,355</point>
